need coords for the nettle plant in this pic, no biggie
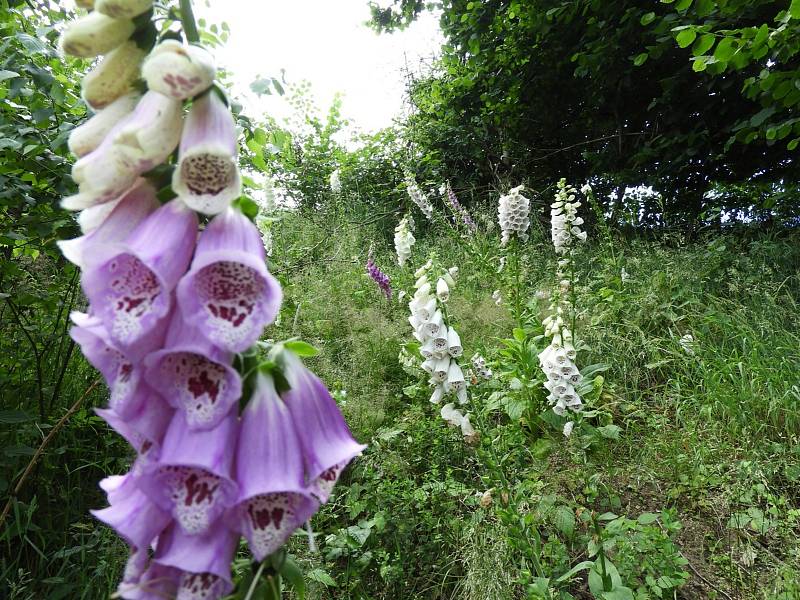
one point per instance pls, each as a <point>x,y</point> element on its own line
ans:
<point>233,437</point>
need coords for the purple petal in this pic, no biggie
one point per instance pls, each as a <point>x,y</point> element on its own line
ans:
<point>129,284</point>
<point>158,582</point>
<point>131,210</point>
<point>207,175</point>
<point>273,500</point>
<point>205,560</point>
<point>145,427</point>
<point>193,477</point>
<point>194,375</point>
<point>228,292</point>
<point>133,515</point>
<point>328,446</point>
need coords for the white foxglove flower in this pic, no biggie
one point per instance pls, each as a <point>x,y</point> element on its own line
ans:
<point>513,215</point>
<point>427,350</point>
<point>497,297</point>
<point>424,269</point>
<point>440,341</point>
<point>461,395</point>
<point>438,394</point>
<point>423,308</point>
<point>623,275</point>
<point>467,430</point>
<point>431,327</point>
<point>448,279</point>
<point>179,71</point>
<point>454,343</point>
<point>207,174</point>
<point>441,369</point>
<point>123,9</point>
<point>113,77</point>
<point>336,182</point>
<point>87,137</point>
<point>429,365</point>
<point>403,240</point>
<point>453,272</point>
<point>418,197</point>
<point>442,290</point>
<point>567,431</point>
<point>95,34</point>
<point>452,415</point>
<point>455,376</point>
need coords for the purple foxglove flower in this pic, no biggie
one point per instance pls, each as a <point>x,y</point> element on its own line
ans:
<point>156,583</point>
<point>139,142</point>
<point>119,369</point>
<point>129,284</point>
<point>228,293</point>
<point>88,136</point>
<point>379,277</point>
<point>328,446</point>
<point>179,71</point>
<point>194,375</point>
<point>95,34</point>
<point>146,426</point>
<point>192,479</point>
<point>273,500</point>
<point>123,9</point>
<point>207,176</point>
<point>114,77</point>
<point>132,209</point>
<point>204,560</point>
<point>132,514</point>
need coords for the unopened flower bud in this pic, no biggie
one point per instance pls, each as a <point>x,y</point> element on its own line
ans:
<point>95,34</point>
<point>113,77</point>
<point>123,9</point>
<point>442,290</point>
<point>179,71</point>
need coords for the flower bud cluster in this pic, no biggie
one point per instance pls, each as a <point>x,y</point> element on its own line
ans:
<point>379,277</point>
<point>404,239</point>
<point>418,197</point>
<point>458,209</point>
<point>564,219</point>
<point>170,307</point>
<point>514,215</point>
<point>440,344</point>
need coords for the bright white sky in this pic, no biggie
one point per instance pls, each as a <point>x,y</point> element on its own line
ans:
<point>326,43</point>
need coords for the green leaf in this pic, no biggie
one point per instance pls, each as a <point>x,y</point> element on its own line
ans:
<point>301,348</point>
<point>647,518</point>
<point>247,206</point>
<point>640,59</point>
<point>7,74</point>
<point>610,431</point>
<point>647,18</point>
<point>294,576</point>
<point>685,37</point>
<point>618,593</point>
<point>321,576</point>
<point>703,44</point>
<point>582,566</point>
<point>564,521</point>
<point>9,417</point>
<point>794,9</point>
<point>519,334</point>
<point>724,50</point>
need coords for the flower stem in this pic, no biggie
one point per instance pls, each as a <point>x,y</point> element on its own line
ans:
<point>189,24</point>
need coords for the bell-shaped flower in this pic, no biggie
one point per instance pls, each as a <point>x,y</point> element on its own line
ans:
<point>123,9</point>
<point>87,137</point>
<point>132,515</point>
<point>95,34</point>
<point>179,71</point>
<point>328,446</point>
<point>204,560</point>
<point>454,346</point>
<point>429,365</point>
<point>119,367</point>
<point>113,77</point>
<point>427,349</point>
<point>273,500</point>
<point>145,427</point>
<point>441,368</point>
<point>423,308</point>
<point>228,292</point>
<point>207,175</point>
<point>452,415</point>
<point>195,376</point>
<point>432,327</point>
<point>91,218</point>
<point>438,394</point>
<point>136,205</point>
<point>442,290</point>
<point>129,284</point>
<point>461,395</point>
<point>193,477</point>
<point>455,376</point>
<point>157,582</point>
<point>467,430</point>
<point>440,341</point>
<point>139,142</point>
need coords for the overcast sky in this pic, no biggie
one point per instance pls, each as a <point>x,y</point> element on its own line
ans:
<point>326,43</point>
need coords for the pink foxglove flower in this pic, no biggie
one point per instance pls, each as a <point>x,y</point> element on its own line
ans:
<point>136,205</point>
<point>228,293</point>
<point>207,176</point>
<point>88,136</point>
<point>129,284</point>
<point>95,34</point>
<point>144,429</point>
<point>114,77</point>
<point>327,444</point>
<point>193,477</point>
<point>123,9</point>
<point>202,561</point>
<point>273,499</point>
<point>179,71</point>
<point>194,375</point>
